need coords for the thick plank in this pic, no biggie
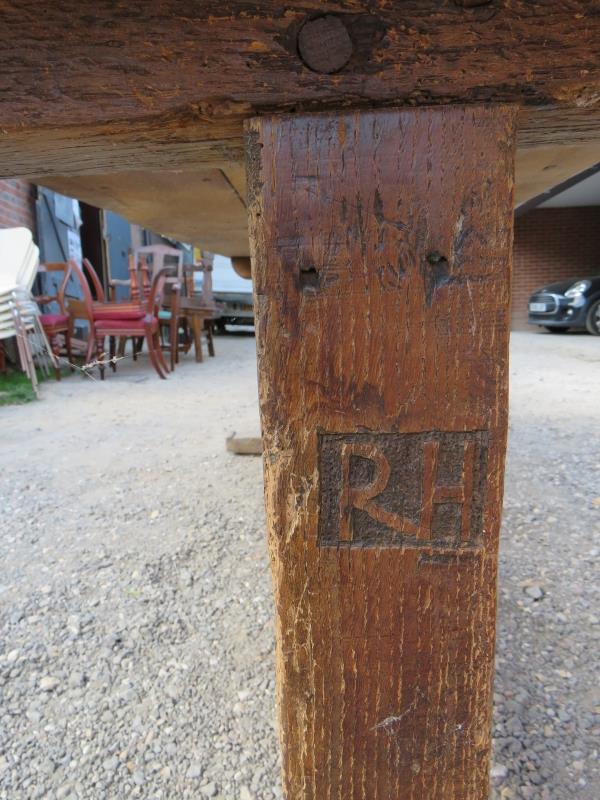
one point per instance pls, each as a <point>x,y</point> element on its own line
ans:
<point>199,206</point>
<point>381,244</point>
<point>216,140</point>
<point>172,144</point>
<point>156,142</point>
<point>84,61</point>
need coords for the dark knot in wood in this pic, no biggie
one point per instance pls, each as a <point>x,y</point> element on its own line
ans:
<point>324,44</point>
<point>472,3</point>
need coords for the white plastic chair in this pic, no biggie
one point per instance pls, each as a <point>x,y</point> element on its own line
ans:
<point>19,313</point>
<point>19,260</point>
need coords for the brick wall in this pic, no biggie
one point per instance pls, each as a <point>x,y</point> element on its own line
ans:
<point>17,205</point>
<point>552,244</point>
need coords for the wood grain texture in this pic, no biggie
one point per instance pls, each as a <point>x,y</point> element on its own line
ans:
<point>86,61</point>
<point>215,139</point>
<point>381,245</point>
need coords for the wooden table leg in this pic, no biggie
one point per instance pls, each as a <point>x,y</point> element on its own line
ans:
<point>382,249</point>
<point>208,328</point>
<point>196,323</point>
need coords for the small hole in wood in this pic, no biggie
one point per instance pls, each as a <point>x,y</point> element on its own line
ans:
<point>436,258</point>
<point>436,274</point>
<point>309,278</point>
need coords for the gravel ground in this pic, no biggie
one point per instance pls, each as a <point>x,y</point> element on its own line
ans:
<point>136,637</point>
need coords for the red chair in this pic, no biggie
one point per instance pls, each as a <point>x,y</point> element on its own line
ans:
<point>146,327</point>
<point>57,324</point>
<point>93,309</point>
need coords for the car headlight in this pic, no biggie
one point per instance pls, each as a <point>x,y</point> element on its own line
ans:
<point>578,288</point>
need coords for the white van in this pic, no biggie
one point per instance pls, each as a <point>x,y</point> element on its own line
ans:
<point>232,293</point>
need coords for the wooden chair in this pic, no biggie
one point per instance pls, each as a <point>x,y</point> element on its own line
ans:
<point>188,317</point>
<point>144,264</point>
<point>92,306</point>
<point>61,323</point>
<point>146,328</point>
<point>200,308</point>
<point>171,321</point>
<point>149,260</point>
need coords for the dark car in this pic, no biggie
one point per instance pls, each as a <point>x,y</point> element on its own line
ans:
<point>567,304</point>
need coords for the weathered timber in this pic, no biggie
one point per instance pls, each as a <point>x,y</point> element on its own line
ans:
<point>381,244</point>
<point>215,140</point>
<point>86,61</point>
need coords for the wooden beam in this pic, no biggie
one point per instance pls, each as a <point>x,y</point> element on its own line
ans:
<point>173,143</point>
<point>150,144</point>
<point>382,248</point>
<point>82,62</point>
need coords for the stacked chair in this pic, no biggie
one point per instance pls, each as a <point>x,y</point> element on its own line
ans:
<point>19,313</point>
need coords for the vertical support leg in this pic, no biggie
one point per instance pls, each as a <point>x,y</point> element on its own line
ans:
<point>112,352</point>
<point>196,325</point>
<point>208,327</point>
<point>55,345</point>
<point>173,339</point>
<point>382,250</point>
<point>91,344</point>
<point>68,340</point>
<point>100,354</point>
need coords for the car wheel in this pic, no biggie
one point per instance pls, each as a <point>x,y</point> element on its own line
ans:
<point>592,321</point>
<point>550,329</point>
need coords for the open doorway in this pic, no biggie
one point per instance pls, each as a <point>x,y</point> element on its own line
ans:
<point>93,246</point>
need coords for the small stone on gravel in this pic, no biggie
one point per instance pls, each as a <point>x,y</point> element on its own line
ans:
<point>48,683</point>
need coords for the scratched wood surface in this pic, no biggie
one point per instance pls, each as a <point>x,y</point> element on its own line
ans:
<point>381,246</point>
<point>85,61</point>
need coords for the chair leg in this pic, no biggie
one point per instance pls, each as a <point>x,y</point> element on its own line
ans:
<point>69,349</point>
<point>187,337</point>
<point>208,327</point>
<point>54,344</point>
<point>100,354</point>
<point>112,352</point>
<point>153,351</point>
<point>197,332</point>
<point>159,353</point>
<point>174,343</point>
<point>91,346</point>
<point>121,347</point>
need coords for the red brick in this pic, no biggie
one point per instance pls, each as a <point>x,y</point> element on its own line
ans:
<point>17,205</point>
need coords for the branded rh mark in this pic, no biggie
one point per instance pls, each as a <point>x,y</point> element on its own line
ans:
<point>419,489</point>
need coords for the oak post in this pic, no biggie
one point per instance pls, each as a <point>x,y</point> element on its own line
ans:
<point>381,260</point>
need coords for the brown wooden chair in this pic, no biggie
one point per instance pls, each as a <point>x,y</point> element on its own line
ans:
<point>149,260</point>
<point>144,263</point>
<point>58,323</point>
<point>92,305</point>
<point>146,328</point>
<point>200,308</point>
